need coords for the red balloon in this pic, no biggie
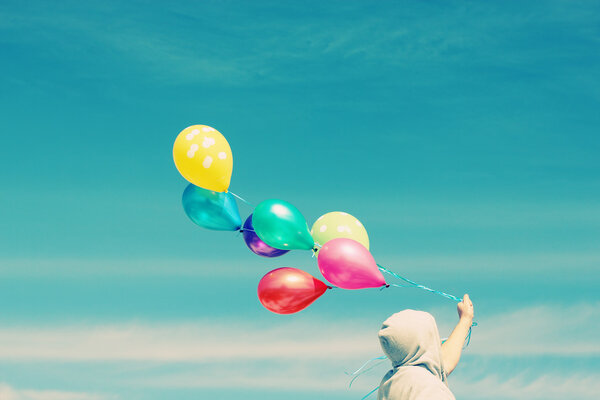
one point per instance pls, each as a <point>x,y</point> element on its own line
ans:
<point>289,290</point>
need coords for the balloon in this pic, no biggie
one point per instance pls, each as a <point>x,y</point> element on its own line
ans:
<point>255,244</point>
<point>279,224</point>
<point>289,290</point>
<point>339,224</point>
<point>349,265</point>
<point>203,157</point>
<point>211,210</point>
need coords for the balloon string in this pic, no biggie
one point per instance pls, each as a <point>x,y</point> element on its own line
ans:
<point>315,249</point>
<point>243,200</point>
<point>417,285</point>
<point>365,364</point>
<point>370,393</point>
<point>362,369</point>
<point>467,339</point>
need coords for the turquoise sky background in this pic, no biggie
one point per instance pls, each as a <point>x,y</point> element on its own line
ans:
<point>464,135</point>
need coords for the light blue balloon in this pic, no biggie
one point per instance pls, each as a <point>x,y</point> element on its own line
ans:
<point>211,210</point>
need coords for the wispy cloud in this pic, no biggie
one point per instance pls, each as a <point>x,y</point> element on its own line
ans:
<point>297,375</point>
<point>308,355</point>
<point>540,330</point>
<point>327,378</point>
<point>499,215</point>
<point>187,342</point>
<point>517,387</point>
<point>487,264</point>
<point>529,263</point>
<point>382,38</point>
<point>10,393</point>
<point>77,267</point>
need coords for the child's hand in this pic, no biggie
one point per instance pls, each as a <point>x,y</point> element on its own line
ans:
<point>452,347</point>
<point>465,309</point>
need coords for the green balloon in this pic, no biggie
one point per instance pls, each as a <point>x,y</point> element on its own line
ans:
<point>279,224</point>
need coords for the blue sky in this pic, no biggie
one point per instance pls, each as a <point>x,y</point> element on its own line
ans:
<point>464,135</point>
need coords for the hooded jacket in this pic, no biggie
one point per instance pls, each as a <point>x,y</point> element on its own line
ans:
<point>410,339</point>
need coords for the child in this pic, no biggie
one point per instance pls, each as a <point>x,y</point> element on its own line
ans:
<point>411,341</point>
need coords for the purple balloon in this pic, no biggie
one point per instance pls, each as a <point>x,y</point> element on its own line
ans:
<point>255,244</point>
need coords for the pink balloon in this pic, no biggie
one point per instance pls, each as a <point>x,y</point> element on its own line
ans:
<point>348,264</point>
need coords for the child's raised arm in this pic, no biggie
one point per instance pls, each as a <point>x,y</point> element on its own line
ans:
<point>452,348</point>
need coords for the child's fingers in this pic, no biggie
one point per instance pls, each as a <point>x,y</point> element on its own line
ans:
<point>467,300</point>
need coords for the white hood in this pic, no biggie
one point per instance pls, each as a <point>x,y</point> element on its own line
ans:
<point>411,341</point>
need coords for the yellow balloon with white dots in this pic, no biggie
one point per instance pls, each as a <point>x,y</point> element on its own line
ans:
<point>339,224</point>
<point>203,157</point>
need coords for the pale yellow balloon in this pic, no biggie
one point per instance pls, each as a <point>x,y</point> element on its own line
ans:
<point>203,157</point>
<point>339,224</point>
